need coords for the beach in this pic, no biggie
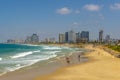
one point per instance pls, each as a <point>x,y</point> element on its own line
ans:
<point>60,40</point>
<point>96,64</point>
<point>102,66</point>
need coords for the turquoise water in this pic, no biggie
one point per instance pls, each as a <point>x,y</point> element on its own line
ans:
<point>16,56</point>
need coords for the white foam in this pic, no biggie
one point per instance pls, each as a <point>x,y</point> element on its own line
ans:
<point>21,60</point>
<point>31,45</point>
<point>21,64</point>
<point>31,62</point>
<point>24,54</point>
<point>36,51</point>
<point>51,52</point>
<point>0,59</point>
<point>51,48</point>
<point>18,66</point>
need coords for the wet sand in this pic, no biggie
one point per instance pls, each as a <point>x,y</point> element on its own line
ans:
<point>102,66</point>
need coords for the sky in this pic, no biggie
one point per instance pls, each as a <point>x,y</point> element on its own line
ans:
<point>48,18</point>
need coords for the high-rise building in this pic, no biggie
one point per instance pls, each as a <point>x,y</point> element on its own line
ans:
<point>107,39</point>
<point>101,36</point>
<point>71,37</point>
<point>61,38</point>
<point>66,36</point>
<point>85,36</point>
<point>78,37</point>
<point>34,38</point>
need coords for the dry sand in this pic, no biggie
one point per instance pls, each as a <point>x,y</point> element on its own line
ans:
<point>102,66</point>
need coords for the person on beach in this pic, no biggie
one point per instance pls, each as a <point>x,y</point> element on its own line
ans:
<point>79,57</point>
<point>68,60</point>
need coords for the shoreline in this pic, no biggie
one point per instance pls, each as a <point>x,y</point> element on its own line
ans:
<point>40,68</point>
<point>101,66</point>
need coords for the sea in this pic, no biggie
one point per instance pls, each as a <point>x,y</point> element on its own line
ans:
<point>16,56</point>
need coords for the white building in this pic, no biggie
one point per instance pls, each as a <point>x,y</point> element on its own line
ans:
<point>61,38</point>
<point>71,37</point>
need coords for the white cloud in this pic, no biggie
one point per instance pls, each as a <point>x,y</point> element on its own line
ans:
<point>115,6</point>
<point>63,10</point>
<point>92,7</point>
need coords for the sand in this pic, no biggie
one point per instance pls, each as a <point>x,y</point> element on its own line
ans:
<point>102,66</point>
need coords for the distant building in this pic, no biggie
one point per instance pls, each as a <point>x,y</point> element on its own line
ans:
<point>85,36</point>
<point>101,36</point>
<point>47,40</point>
<point>10,41</point>
<point>71,37</point>
<point>19,41</point>
<point>16,41</point>
<point>52,40</point>
<point>32,39</point>
<point>78,37</point>
<point>107,39</point>
<point>66,37</point>
<point>61,38</point>
<point>28,39</point>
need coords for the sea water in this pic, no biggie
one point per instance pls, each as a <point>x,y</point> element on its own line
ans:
<point>16,56</point>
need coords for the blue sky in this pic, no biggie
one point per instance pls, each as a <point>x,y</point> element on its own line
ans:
<point>48,18</point>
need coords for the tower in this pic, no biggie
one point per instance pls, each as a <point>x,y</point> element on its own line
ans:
<point>101,36</point>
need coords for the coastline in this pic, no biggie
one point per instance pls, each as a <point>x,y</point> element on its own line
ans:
<point>96,64</point>
<point>40,68</point>
<point>101,66</point>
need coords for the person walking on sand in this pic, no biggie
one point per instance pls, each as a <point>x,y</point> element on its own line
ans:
<point>79,57</point>
<point>68,60</point>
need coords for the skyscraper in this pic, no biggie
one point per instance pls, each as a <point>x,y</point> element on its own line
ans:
<point>61,38</point>
<point>66,36</point>
<point>71,36</point>
<point>34,38</point>
<point>85,36</point>
<point>78,37</point>
<point>101,36</point>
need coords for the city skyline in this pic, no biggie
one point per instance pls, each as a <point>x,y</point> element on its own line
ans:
<point>49,18</point>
